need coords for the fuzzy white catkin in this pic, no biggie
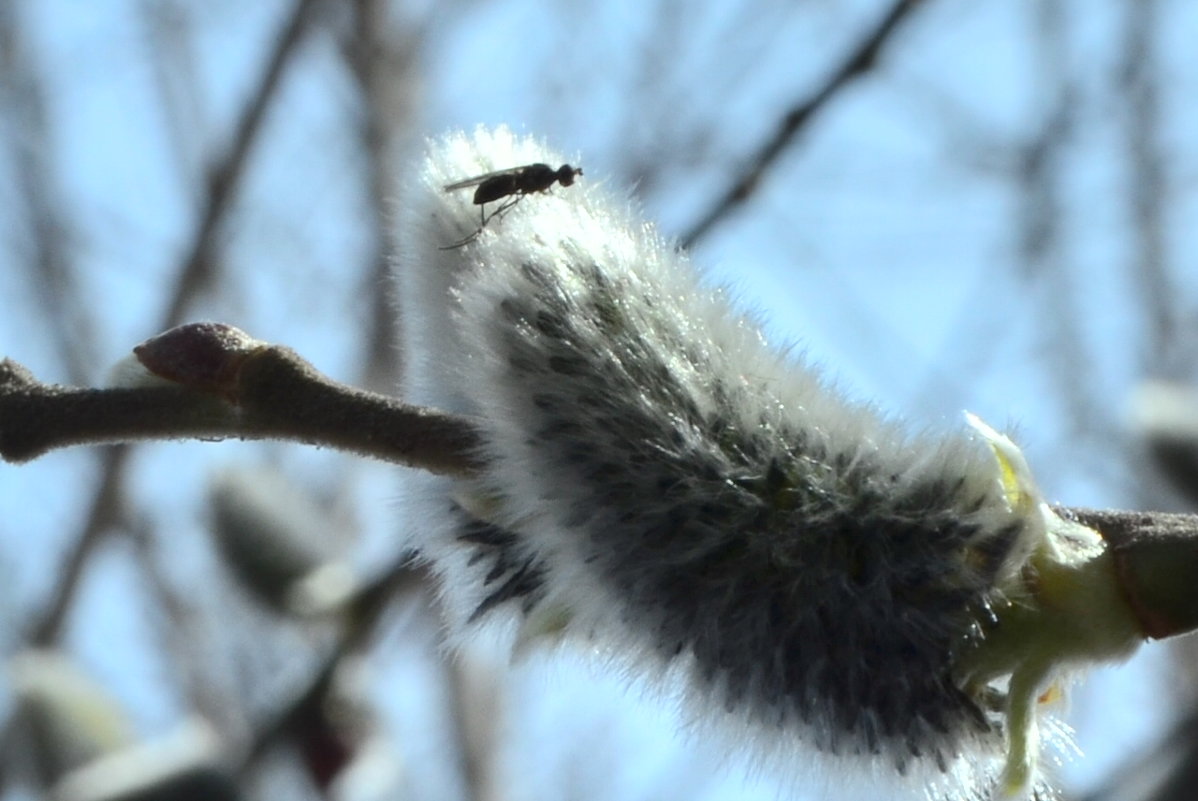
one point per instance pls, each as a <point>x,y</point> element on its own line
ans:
<point>665,484</point>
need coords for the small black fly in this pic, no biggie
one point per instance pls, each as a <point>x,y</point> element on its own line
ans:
<point>510,186</point>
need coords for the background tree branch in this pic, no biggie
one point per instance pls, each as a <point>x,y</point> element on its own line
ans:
<point>857,63</point>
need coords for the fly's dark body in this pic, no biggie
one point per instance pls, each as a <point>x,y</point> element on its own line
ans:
<point>512,184</point>
<point>517,181</point>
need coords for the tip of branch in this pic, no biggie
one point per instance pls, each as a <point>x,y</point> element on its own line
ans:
<point>202,356</point>
<point>15,376</point>
<point>1156,557</point>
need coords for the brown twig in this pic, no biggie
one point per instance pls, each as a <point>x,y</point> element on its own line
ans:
<point>857,64</point>
<point>226,384</point>
<point>1156,557</point>
<point>234,387</point>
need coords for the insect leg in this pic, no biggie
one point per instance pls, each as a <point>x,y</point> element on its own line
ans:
<point>482,223</point>
<point>485,218</point>
<point>505,207</point>
<point>462,242</point>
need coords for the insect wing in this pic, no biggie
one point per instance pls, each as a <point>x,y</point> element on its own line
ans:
<point>466,183</point>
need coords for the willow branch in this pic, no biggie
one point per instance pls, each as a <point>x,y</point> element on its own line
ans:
<point>215,382</point>
<point>1156,557</point>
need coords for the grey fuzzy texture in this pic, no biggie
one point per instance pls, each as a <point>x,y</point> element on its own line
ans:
<point>661,479</point>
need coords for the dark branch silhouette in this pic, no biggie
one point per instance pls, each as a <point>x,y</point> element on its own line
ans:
<point>857,64</point>
<point>226,384</point>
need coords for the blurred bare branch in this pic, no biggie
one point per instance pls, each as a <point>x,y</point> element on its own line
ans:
<point>226,174</point>
<point>1164,771</point>
<point>858,63</point>
<point>1149,269</point>
<point>176,622</point>
<point>360,621</point>
<point>478,715</point>
<point>223,181</point>
<point>107,508</point>
<point>172,57</point>
<point>1043,254</point>
<point>383,60</point>
<point>48,230</point>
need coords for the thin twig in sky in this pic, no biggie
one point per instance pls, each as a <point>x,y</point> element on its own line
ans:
<point>856,64</point>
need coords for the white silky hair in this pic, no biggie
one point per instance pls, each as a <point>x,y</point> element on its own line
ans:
<point>695,504</point>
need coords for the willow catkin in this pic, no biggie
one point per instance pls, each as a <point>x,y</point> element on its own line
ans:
<point>659,479</point>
